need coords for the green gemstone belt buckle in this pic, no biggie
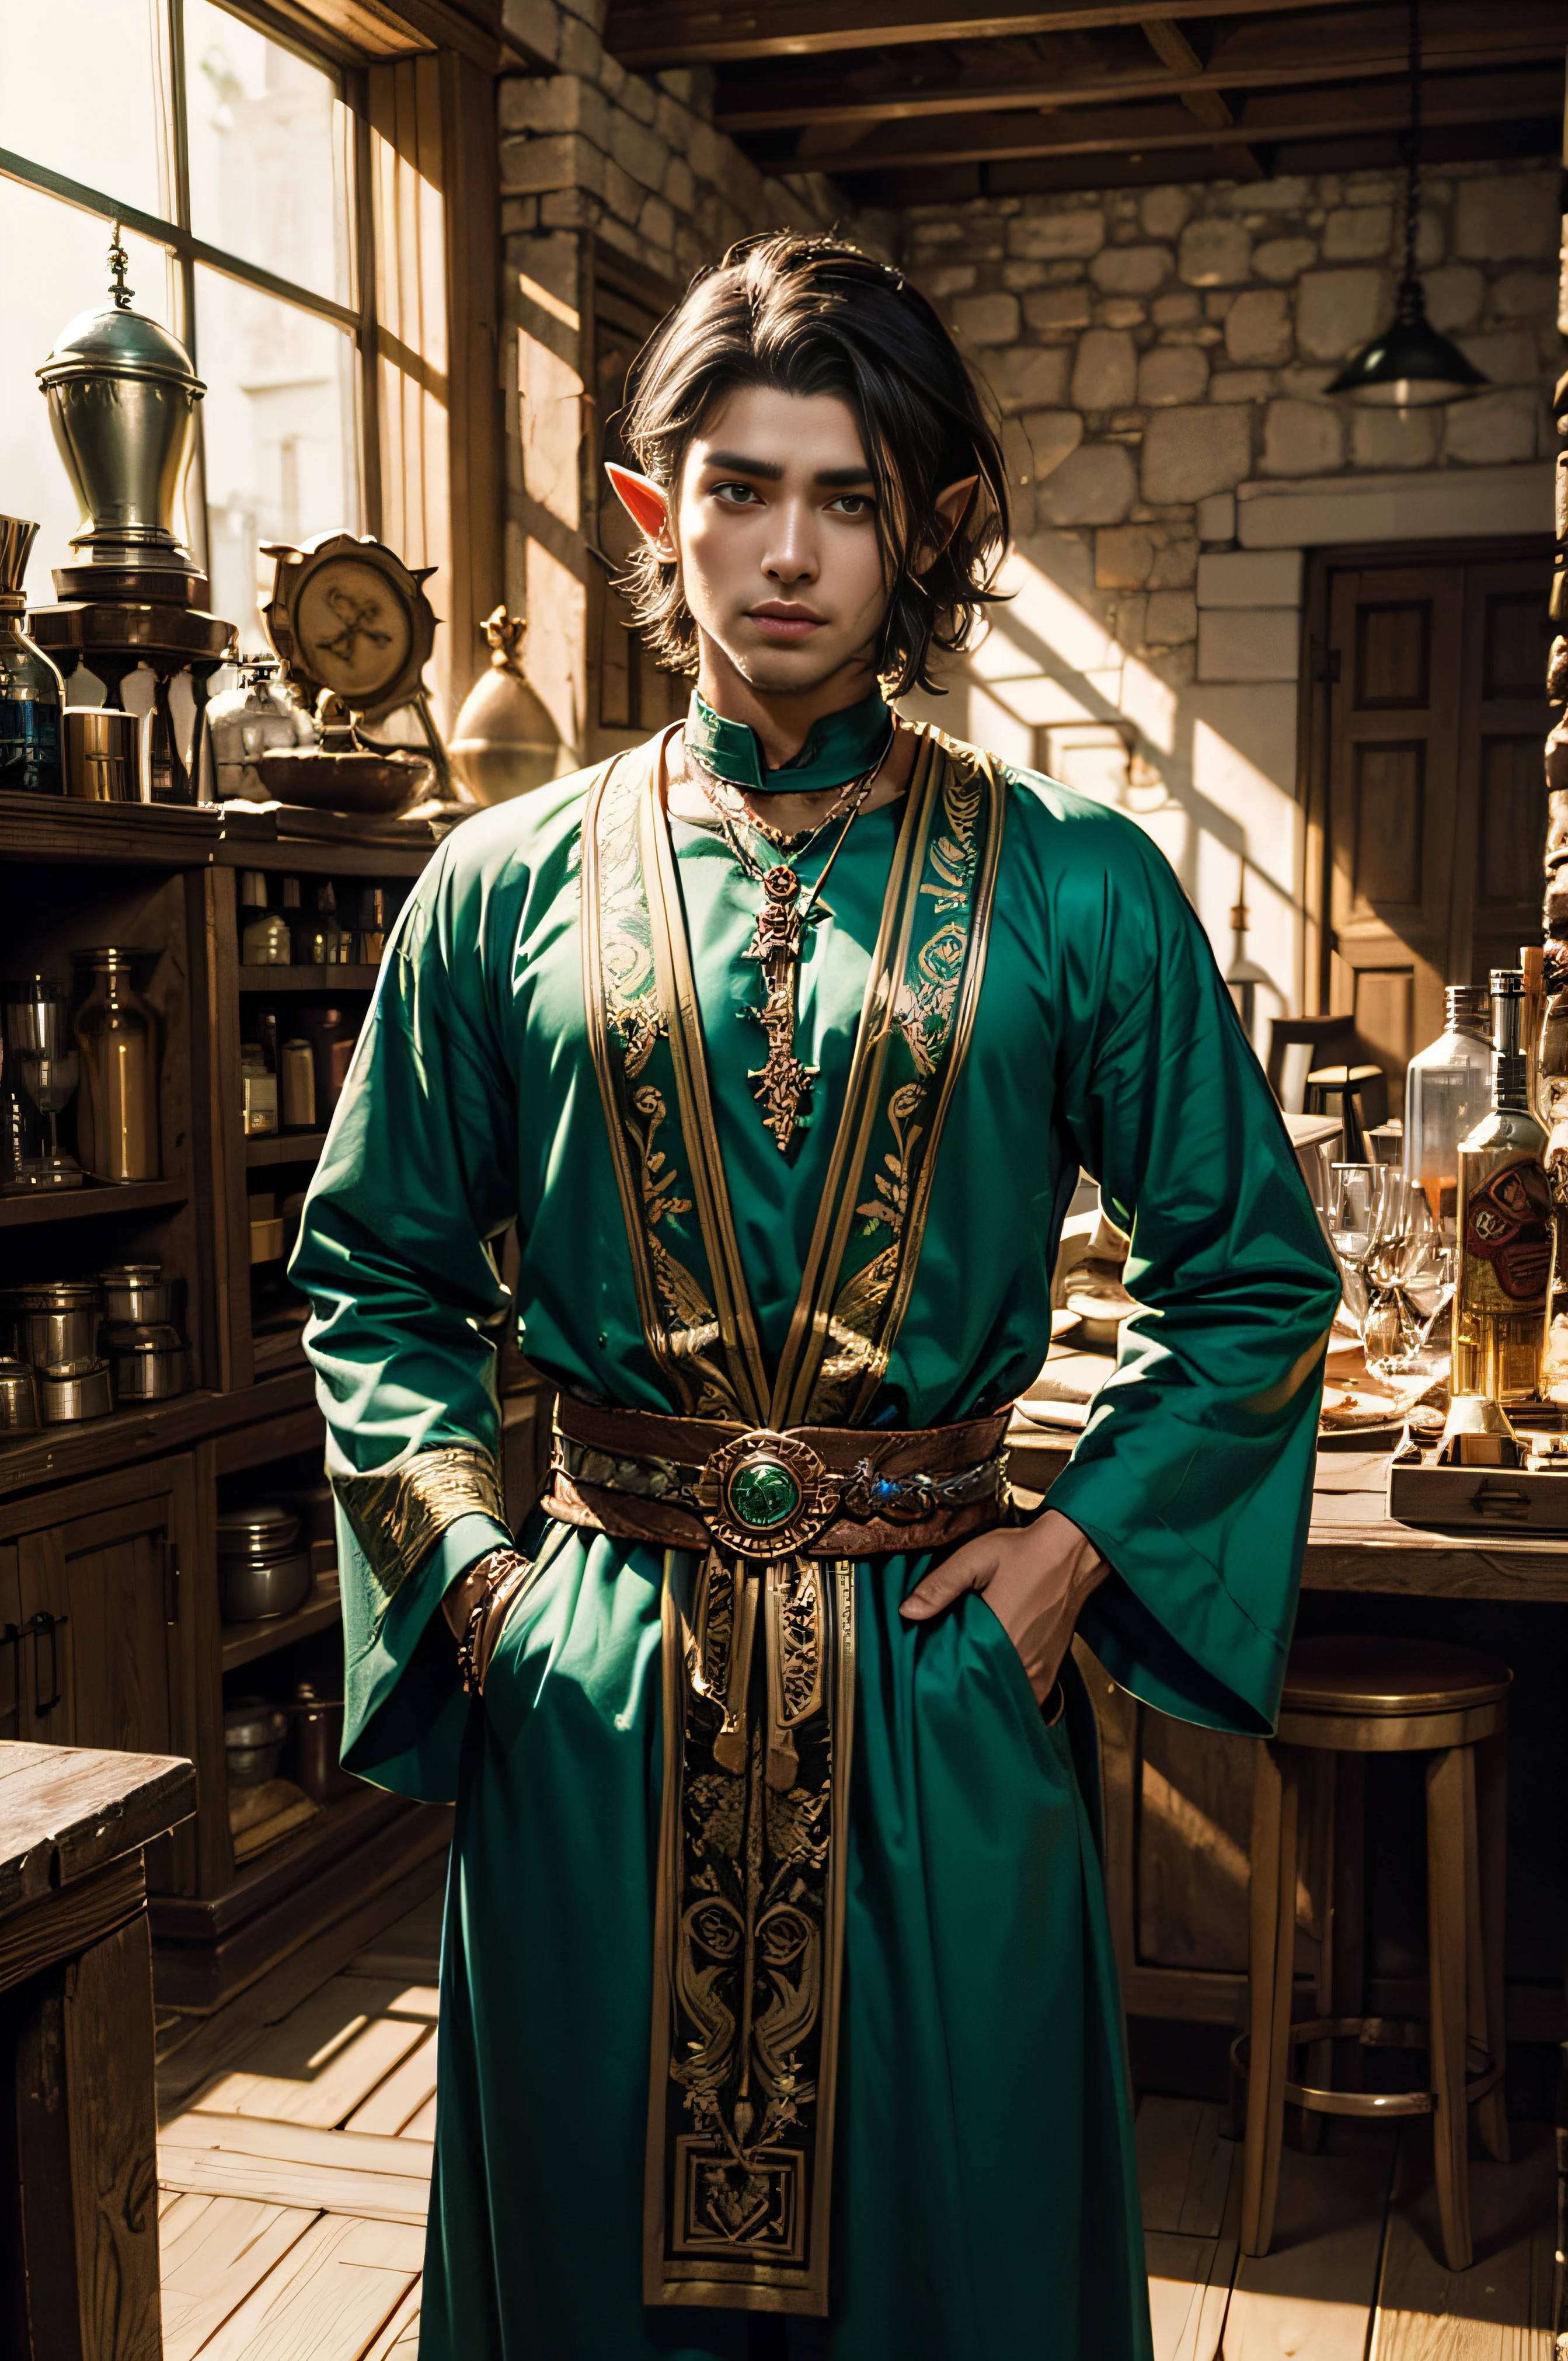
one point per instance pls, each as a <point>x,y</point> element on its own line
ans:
<point>765,1495</point>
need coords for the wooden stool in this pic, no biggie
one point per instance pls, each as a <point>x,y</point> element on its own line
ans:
<point>1361,1101</point>
<point>1345,1698</point>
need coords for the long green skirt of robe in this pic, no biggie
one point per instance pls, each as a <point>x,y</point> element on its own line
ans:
<point>985,2205</point>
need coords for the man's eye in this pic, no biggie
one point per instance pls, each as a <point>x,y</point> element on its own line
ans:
<point>853,504</point>
<point>735,495</point>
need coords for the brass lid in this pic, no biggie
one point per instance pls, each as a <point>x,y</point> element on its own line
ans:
<point>119,342</point>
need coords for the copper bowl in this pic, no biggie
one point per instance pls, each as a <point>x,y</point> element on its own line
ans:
<point>384,783</point>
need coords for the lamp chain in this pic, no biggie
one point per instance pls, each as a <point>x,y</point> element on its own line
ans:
<point>1413,144</point>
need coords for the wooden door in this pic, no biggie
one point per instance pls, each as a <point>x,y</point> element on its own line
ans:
<point>1504,717</point>
<point>106,1658</point>
<point>1394,645</point>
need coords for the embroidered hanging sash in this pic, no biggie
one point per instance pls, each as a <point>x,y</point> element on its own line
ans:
<point>758,1733</point>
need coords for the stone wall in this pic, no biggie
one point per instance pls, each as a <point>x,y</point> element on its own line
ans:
<point>1161,359</point>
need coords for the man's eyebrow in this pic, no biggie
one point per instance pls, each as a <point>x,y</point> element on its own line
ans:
<point>735,462</point>
<point>737,465</point>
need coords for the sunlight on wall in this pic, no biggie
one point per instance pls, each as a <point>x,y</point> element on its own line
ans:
<point>1208,770</point>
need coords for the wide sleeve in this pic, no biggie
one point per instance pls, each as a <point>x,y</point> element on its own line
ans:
<point>1194,1473</point>
<point>419,1175</point>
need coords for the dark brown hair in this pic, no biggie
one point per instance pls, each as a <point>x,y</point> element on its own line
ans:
<point>816,315</point>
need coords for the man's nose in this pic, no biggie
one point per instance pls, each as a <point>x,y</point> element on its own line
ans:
<point>791,551</point>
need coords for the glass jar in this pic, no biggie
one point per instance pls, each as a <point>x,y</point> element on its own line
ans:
<point>1448,1089</point>
<point>32,698</point>
<point>116,1033</point>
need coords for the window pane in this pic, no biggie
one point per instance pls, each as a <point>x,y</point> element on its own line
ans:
<point>82,90</point>
<point>270,154</point>
<point>280,424</point>
<point>58,268</point>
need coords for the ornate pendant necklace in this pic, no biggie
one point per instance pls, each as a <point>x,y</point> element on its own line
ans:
<point>782,1085</point>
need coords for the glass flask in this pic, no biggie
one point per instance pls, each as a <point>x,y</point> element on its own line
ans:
<point>116,1033</point>
<point>1448,1089</point>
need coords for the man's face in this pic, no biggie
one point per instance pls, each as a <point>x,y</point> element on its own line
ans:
<point>774,521</point>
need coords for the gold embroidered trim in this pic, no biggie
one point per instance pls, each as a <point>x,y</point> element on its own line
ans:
<point>398,1514</point>
<point>680,1326</point>
<point>748,1947</point>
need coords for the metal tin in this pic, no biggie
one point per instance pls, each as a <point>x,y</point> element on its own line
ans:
<point>253,1590</point>
<point>55,1325</point>
<point>263,1529</point>
<point>151,1362</point>
<point>103,756</point>
<point>138,1292</point>
<point>66,1401</point>
<point>18,1395</point>
<point>318,1742</point>
<point>254,1734</point>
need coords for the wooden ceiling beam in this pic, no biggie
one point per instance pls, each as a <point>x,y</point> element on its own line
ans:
<point>648,37</point>
<point>1353,110</point>
<point>1176,52</point>
<point>1454,39</point>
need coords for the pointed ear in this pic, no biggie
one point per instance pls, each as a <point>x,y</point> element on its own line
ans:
<point>645,503</point>
<point>950,506</point>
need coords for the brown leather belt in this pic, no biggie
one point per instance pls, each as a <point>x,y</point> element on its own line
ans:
<point>815,1491</point>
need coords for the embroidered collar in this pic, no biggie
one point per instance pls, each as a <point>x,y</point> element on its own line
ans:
<point>838,748</point>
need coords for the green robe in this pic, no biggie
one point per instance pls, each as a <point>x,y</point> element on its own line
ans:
<point>985,2202</point>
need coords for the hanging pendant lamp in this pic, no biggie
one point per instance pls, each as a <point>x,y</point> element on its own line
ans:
<point>1408,366</point>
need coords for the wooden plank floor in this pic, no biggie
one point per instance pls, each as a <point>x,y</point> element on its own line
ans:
<point>294,2168</point>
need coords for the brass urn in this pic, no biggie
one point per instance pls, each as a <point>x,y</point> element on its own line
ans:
<point>122,402</point>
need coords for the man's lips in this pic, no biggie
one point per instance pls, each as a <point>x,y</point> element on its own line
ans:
<point>782,623</point>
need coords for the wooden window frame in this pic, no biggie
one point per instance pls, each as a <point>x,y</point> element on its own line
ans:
<point>472,388</point>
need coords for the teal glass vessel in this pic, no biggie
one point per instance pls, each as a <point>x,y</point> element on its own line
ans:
<point>32,694</point>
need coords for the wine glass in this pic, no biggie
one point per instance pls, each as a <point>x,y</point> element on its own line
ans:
<point>50,1083</point>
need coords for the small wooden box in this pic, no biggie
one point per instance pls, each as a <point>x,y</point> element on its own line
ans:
<point>1505,1502</point>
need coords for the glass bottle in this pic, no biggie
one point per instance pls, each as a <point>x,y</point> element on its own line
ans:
<point>32,694</point>
<point>116,1033</point>
<point>1551,1105</point>
<point>1448,1089</point>
<point>264,941</point>
<point>1504,1216</point>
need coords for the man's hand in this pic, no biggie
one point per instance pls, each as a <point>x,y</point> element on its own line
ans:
<point>1035,1581</point>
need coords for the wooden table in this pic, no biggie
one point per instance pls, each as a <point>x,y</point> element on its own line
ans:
<point>1353,1543</point>
<point>77,2136</point>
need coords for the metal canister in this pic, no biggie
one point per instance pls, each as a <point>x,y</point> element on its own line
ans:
<point>117,1115</point>
<point>297,1086</point>
<point>151,1361</point>
<point>19,1394</point>
<point>102,755</point>
<point>54,1324</point>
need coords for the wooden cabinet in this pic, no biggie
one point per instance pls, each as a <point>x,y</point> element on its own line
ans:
<point>103,1656</point>
<point>111,1634</point>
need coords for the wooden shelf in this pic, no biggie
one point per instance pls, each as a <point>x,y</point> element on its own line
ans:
<point>67,828</point>
<point>52,1455</point>
<point>308,979</point>
<point>243,1641</point>
<point>286,1147</point>
<point>39,1205</point>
